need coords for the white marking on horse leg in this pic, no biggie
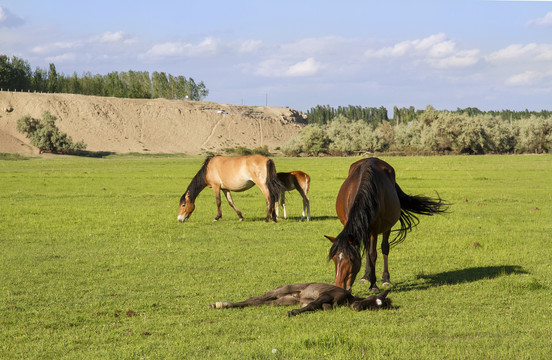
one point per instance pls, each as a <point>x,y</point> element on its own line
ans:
<point>221,304</point>
<point>379,302</point>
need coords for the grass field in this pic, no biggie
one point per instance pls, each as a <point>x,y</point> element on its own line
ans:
<point>93,264</point>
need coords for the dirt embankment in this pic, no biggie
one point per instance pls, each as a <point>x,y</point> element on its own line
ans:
<point>148,126</point>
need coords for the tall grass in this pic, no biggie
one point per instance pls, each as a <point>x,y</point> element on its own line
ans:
<point>95,265</point>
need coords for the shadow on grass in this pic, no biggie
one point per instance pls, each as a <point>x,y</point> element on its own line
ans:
<point>290,218</point>
<point>461,276</point>
<point>92,154</point>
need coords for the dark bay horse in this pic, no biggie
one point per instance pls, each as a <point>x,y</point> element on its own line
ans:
<point>369,203</point>
<point>312,297</point>
<point>240,173</point>
<point>295,180</point>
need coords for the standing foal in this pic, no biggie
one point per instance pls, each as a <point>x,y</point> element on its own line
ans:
<point>299,181</point>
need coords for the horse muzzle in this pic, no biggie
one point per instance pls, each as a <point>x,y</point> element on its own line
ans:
<point>182,218</point>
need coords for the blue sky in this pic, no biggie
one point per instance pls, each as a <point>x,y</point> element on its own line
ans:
<point>488,54</point>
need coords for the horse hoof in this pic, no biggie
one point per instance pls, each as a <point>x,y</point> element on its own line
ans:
<point>363,281</point>
<point>386,284</point>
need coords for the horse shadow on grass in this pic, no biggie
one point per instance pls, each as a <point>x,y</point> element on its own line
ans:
<point>456,277</point>
<point>291,218</point>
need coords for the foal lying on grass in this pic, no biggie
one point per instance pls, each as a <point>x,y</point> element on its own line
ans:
<point>312,297</point>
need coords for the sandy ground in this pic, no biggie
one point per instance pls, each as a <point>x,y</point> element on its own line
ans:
<point>148,126</point>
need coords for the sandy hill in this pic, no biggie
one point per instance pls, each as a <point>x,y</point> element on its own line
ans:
<point>154,126</point>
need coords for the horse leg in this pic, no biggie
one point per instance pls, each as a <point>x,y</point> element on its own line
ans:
<point>283,295</point>
<point>217,198</point>
<point>306,201</point>
<point>306,204</point>
<point>323,302</point>
<point>385,278</point>
<point>252,301</point>
<point>371,257</point>
<point>283,202</point>
<point>270,209</point>
<point>231,203</point>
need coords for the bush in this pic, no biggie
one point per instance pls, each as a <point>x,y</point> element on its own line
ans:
<point>46,136</point>
<point>345,136</point>
<point>534,135</point>
<point>432,132</point>
<point>312,141</point>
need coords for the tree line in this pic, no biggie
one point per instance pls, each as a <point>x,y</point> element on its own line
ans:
<point>16,74</point>
<point>325,114</point>
<point>428,132</point>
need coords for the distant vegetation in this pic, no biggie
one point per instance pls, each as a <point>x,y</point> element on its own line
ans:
<point>346,131</point>
<point>16,74</point>
<point>242,150</point>
<point>46,136</point>
<point>325,114</point>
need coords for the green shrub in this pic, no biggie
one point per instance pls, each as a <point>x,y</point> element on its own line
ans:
<point>407,137</point>
<point>46,136</point>
<point>312,141</point>
<point>432,131</point>
<point>347,137</point>
<point>534,135</point>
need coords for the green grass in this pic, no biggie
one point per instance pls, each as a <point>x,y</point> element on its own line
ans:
<point>93,264</point>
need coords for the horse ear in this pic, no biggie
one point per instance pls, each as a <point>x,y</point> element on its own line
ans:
<point>331,238</point>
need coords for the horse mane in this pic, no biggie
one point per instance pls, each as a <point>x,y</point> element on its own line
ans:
<point>198,181</point>
<point>355,233</point>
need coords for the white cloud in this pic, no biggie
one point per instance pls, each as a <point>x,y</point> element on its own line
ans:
<point>209,46</point>
<point>281,68</point>
<point>63,58</point>
<point>9,19</point>
<point>249,46</point>
<point>461,59</point>
<point>436,50</point>
<point>59,45</point>
<point>112,37</point>
<point>523,79</point>
<point>308,67</point>
<point>522,53</point>
<point>543,22</point>
<point>314,46</point>
<point>513,51</point>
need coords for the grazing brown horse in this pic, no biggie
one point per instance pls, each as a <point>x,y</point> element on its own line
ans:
<point>299,181</point>
<point>222,173</point>
<point>312,297</point>
<point>369,203</point>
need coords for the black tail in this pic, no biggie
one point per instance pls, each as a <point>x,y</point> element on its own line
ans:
<point>355,233</point>
<point>415,204</point>
<point>275,187</point>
